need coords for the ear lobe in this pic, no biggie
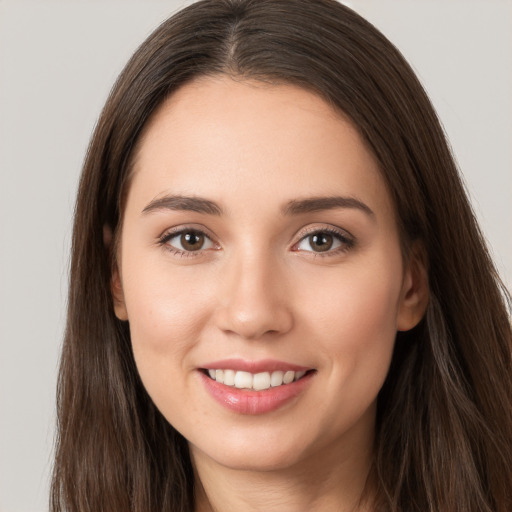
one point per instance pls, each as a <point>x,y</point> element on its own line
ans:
<point>415,291</point>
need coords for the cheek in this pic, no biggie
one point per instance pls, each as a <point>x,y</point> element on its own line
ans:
<point>166,311</point>
<point>353,318</point>
<point>362,299</point>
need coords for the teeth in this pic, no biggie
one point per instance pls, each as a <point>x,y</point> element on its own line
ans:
<point>243,380</point>
<point>261,381</point>
<point>256,382</point>
<point>288,377</point>
<point>276,379</point>
<point>229,377</point>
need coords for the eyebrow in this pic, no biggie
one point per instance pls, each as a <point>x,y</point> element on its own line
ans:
<point>184,203</point>
<point>316,204</point>
<point>294,207</point>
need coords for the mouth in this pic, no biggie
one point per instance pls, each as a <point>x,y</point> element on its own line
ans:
<point>260,381</point>
<point>255,386</point>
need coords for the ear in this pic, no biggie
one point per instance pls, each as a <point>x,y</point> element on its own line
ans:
<point>116,286</point>
<point>415,291</point>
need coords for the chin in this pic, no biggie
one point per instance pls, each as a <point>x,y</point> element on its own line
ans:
<point>270,452</point>
<point>255,461</point>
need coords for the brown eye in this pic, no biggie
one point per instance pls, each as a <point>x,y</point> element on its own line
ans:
<point>321,242</point>
<point>324,242</point>
<point>192,241</point>
<point>187,241</point>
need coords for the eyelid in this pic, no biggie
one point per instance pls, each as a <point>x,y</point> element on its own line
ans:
<point>346,239</point>
<point>170,233</point>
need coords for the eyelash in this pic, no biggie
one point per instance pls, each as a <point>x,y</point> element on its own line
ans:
<point>169,235</point>
<point>346,241</point>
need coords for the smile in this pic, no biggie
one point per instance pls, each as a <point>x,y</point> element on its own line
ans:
<point>255,381</point>
<point>255,387</point>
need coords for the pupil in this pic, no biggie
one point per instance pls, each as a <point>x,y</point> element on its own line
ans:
<point>321,242</point>
<point>192,241</point>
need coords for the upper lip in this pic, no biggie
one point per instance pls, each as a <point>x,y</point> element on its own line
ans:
<point>263,365</point>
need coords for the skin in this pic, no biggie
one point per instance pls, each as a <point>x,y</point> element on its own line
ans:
<point>259,289</point>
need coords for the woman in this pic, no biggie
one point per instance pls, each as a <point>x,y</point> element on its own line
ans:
<point>279,298</point>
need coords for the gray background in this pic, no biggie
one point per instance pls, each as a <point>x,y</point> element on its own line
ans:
<point>58,60</point>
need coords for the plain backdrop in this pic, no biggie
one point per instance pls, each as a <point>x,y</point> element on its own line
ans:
<point>58,60</point>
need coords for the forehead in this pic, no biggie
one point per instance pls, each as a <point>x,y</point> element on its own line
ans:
<point>217,137</point>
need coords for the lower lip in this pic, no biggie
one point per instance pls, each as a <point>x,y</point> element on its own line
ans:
<point>244,401</point>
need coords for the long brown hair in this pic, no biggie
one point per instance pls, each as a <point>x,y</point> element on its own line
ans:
<point>444,422</point>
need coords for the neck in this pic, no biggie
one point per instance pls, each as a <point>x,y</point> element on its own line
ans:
<point>334,480</point>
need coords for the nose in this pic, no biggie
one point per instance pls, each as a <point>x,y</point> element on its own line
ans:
<point>254,301</point>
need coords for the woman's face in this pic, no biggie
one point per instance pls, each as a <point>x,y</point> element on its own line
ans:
<point>259,244</point>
